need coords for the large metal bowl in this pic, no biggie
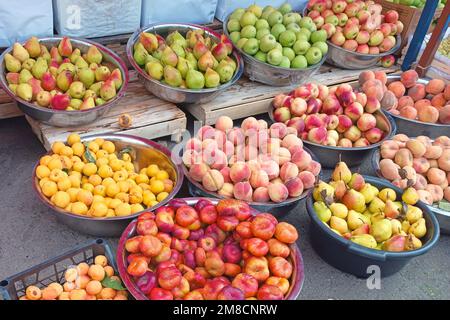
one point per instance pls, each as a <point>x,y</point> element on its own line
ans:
<point>62,118</point>
<point>144,152</point>
<point>179,95</point>
<point>279,209</point>
<point>346,59</point>
<point>442,215</point>
<point>353,157</point>
<point>268,74</point>
<point>413,128</point>
<point>297,278</point>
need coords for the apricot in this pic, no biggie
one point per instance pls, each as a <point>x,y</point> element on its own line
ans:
<point>409,78</point>
<point>78,294</point>
<point>94,287</point>
<point>381,75</point>
<point>397,88</point>
<point>444,160</point>
<point>437,193</point>
<point>428,114</point>
<point>408,112</point>
<point>96,272</point>
<point>438,101</point>
<point>422,103</point>
<point>444,115</point>
<point>435,86</point>
<point>107,293</point>
<point>417,92</point>
<point>109,271</point>
<point>33,293</point>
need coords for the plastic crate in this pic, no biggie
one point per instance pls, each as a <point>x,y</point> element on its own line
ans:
<point>53,270</point>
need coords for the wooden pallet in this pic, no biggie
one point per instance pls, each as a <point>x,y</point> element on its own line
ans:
<point>152,118</point>
<point>247,98</point>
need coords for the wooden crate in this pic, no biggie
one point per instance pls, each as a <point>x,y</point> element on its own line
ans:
<point>408,16</point>
<point>152,118</point>
<point>247,98</point>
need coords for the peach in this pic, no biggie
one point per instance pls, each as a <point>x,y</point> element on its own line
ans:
<point>227,190</point>
<point>374,50</point>
<point>366,76</point>
<point>224,123</point>
<point>428,114</point>
<point>261,194</point>
<point>191,157</point>
<point>435,86</point>
<point>425,196</point>
<point>215,158</point>
<point>302,159</point>
<point>198,170</point>
<point>389,101</point>
<point>433,152</point>
<point>421,165</point>
<point>246,283</point>
<point>263,227</point>
<point>225,171</point>
<point>278,100</point>
<point>361,98</point>
<point>283,156</point>
<point>422,103</point>
<point>436,176</point>
<point>444,160</point>
<point>194,144</point>
<point>257,247</point>
<point>381,76</point>
<point>215,266</point>
<point>298,107</point>
<point>372,105</point>
<point>290,140</point>
<point>366,122</point>
<point>442,141</point>
<point>295,187</point>
<point>257,267</point>
<point>147,227</point>
<point>280,267</point>
<point>169,278</point>
<point>409,78</point>
<point>373,88</point>
<point>239,171</point>
<point>213,180</point>
<point>243,191</point>
<point>416,147</point>
<point>271,168</point>
<point>437,193</point>
<point>405,101</point>
<point>354,111</point>
<point>278,248</point>
<point>213,287</point>
<point>317,135</point>
<point>278,130</point>
<point>397,88</point>
<point>447,193</point>
<point>344,123</point>
<point>236,136</point>
<point>388,149</point>
<point>345,143</point>
<point>374,135</point>
<point>409,112</point>
<point>438,101</point>
<point>447,92</point>
<point>417,92</point>
<point>421,182</point>
<point>282,283</point>
<point>205,132</point>
<point>259,178</point>
<point>314,168</point>
<point>404,158</point>
<point>287,171</point>
<point>389,169</point>
<point>308,179</point>
<point>444,115</point>
<point>286,233</point>
<point>296,123</point>
<point>269,292</point>
<point>230,293</point>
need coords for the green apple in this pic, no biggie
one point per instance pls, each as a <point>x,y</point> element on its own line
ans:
<point>257,10</point>
<point>262,24</point>
<point>261,33</point>
<point>233,25</point>
<point>279,46</point>
<point>248,19</point>
<point>277,30</point>
<point>235,36</point>
<point>288,52</point>
<point>240,44</point>
<point>306,22</point>
<point>275,18</point>
<point>293,27</point>
<point>313,55</point>
<point>301,46</point>
<point>237,14</point>
<point>316,36</point>
<point>322,46</point>
<point>261,56</point>
<point>285,62</point>
<point>299,62</point>
<point>285,8</point>
<point>274,57</point>
<point>267,11</point>
<point>298,17</point>
<point>289,18</point>
<point>251,46</point>
<point>268,42</point>
<point>306,32</point>
<point>249,32</point>
<point>287,38</point>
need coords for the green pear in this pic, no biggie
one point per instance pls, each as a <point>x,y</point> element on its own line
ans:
<point>102,73</point>
<point>87,76</point>
<point>195,79</point>
<point>81,63</point>
<point>89,94</point>
<point>322,211</point>
<point>172,76</point>
<point>20,53</point>
<point>338,224</point>
<point>356,219</point>
<point>365,240</point>
<point>341,172</point>
<point>12,64</point>
<point>33,47</point>
<point>28,64</point>
<point>178,49</point>
<point>77,90</point>
<point>183,66</point>
<point>376,205</point>
<point>108,90</point>
<point>67,66</point>
<point>212,78</point>
<point>381,230</point>
<point>24,76</point>
<point>75,103</point>
<point>39,68</point>
<point>76,53</point>
<point>225,71</point>
<point>193,63</point>
<point>140,54</point>
<point>169,57</point>
<point>93,55</point>
<point>176,38</point>
<point>155,70</point>
<point>24,91</point>
<point>418,228</point>
<point>96,87</point>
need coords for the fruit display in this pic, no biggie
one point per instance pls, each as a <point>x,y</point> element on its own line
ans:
<point>254,162</point>
<point>191,61</point>
<point>278,37</point>
<point>94,179</point>
<point>82,282</point>
<point>409,98</point>
<point>444,47</point>
<point>338,116</point>
<point>373,218</point>
<point>356,26</point>
<point>210,252</point>
<point>61,77</point>
<point>421,163</point>
<point>417,3</point>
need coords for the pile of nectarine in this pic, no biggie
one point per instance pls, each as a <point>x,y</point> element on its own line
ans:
<point>419,162</point>
<point>252,163</point>
<point>337,116</point>
<point>211,252</point>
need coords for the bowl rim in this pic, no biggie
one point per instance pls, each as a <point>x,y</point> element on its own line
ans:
<point>375,161</point>
<point>271,67</point>
<point>120,64</point>
<point>389,135</point>
<point>425,80</point>
<point>295,256</point>
<point>145,142</point>
<point>271,204</point>
<point>380,255</point>
<point>181,26</point>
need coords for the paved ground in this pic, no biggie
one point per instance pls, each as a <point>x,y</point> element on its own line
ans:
<point>30,234</point>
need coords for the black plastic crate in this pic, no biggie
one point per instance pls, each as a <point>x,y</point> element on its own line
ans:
<point>53,269</point>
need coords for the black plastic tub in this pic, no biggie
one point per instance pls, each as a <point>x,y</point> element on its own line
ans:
<point>360,261</point>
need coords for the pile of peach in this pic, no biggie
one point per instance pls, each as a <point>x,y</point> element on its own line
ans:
<point>412,100</point>
<point>336,116</point>
<point>251,163</point>
<point>419,162</point>
<point>211,252</point>
<point>356,25</point>
<point>83,282</point>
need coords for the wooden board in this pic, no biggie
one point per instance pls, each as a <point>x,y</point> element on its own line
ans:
<point>151,118</point>
<point>247,98</point>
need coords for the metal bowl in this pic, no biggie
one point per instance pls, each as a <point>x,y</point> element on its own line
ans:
<point>62,118</point>
<point>268,74</point>
<point>413,128</point>
<point>179,95</point>
<point>442,215</point>
<point>329,155</point>
<point>278,209</point>
<point>346,59</point>
<point>144,152</point>
<point>297,278</point>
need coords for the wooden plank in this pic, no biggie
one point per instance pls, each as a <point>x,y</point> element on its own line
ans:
<point>247,98</point>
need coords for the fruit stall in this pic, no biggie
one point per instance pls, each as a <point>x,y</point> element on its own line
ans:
<point>244,151</point>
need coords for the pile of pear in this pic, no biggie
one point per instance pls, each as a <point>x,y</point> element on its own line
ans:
<point>193,61</point>
<point>61,77</point>
<point>373,218</point>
